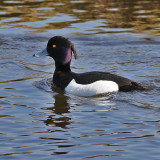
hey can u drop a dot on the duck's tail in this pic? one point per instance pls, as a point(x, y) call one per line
point(137, 86)
point(132, 87)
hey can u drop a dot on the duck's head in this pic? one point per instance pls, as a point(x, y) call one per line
point(60, 49)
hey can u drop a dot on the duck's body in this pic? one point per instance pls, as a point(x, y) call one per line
point(61, 49)
point(62, 79)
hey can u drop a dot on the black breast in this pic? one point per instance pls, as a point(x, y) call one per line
point(62, 79)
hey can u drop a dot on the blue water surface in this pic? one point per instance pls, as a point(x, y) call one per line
point(38, 122)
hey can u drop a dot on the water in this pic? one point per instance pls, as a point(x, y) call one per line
point(121, 37)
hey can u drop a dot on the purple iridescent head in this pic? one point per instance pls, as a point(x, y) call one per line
point(60, 49)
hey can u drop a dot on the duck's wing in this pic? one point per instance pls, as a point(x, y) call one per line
point(123, 83)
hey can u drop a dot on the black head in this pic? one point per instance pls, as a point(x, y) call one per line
point(60, 49)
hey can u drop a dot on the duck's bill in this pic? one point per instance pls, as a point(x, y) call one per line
point(42, 53)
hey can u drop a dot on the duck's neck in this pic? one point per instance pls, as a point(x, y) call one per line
point(62, 67)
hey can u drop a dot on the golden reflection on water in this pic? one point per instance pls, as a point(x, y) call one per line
point(138, 15)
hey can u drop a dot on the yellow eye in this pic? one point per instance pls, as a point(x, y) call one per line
point(54, 46)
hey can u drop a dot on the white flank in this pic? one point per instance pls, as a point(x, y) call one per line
point(98, 87)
